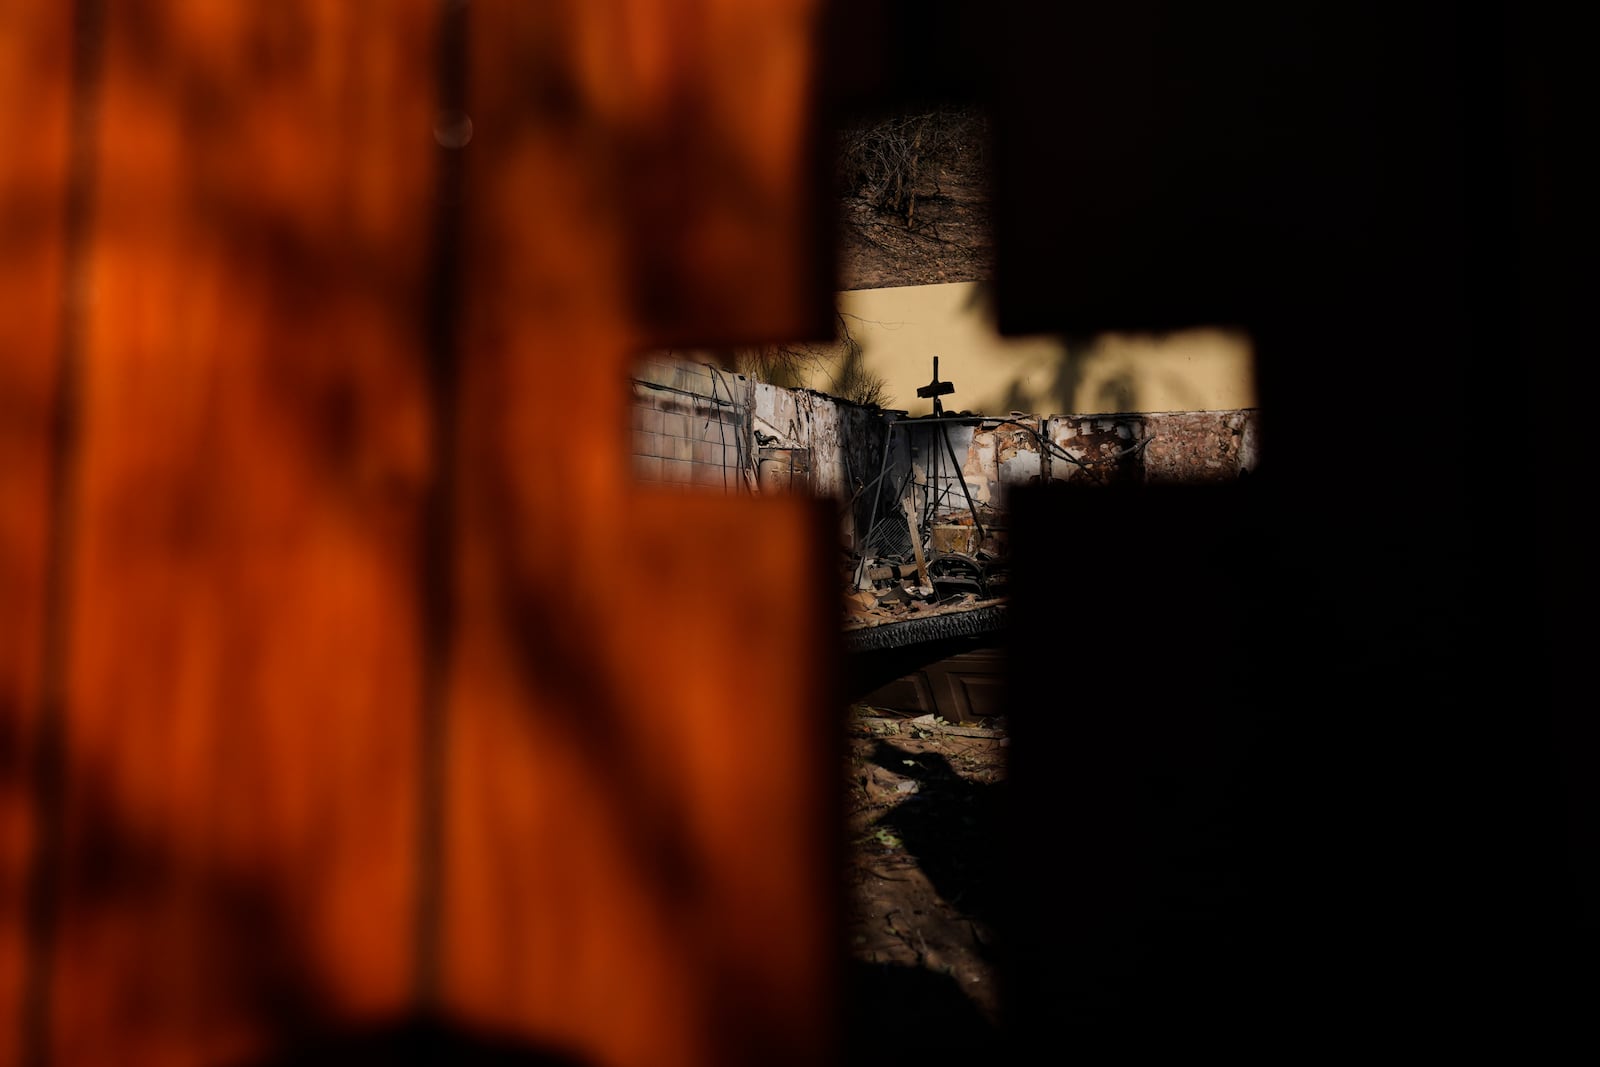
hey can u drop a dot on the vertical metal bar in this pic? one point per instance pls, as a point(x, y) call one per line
point(877, 494)
point(1044, 450)
point(944, 431)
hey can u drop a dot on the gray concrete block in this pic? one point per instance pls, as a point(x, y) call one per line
point(657, 370)
point(718, 429)
point(646, 418)
point(674, 425)
point(715, 477)
point(694, 378)
point(710, 452)
point(678, 448)
point(677, 471)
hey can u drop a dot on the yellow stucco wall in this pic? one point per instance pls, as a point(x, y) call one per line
point(901, 329)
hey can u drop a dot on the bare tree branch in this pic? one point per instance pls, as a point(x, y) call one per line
point(799, 365)
point(891, 162)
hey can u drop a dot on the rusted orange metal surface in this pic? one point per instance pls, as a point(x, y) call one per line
point(34, 53)
point(370, 689)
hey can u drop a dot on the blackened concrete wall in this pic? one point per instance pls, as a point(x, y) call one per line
point(697, 425)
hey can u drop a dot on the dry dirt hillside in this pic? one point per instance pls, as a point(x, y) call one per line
point(913, 200)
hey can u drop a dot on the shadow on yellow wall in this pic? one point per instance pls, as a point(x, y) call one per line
point(901, 329)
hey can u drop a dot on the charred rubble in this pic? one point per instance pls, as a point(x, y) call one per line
point(923, 518)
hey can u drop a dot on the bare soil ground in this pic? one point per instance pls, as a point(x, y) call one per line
point(923, 806)
point(948, 238)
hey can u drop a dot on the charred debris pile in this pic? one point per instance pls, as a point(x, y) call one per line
point(934, 544)
point(923, 529)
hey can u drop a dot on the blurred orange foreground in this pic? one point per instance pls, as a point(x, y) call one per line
point(345, 679)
